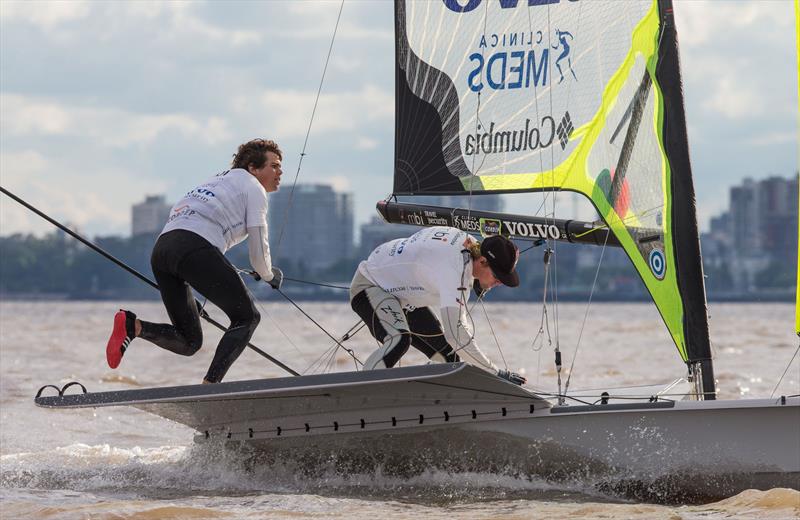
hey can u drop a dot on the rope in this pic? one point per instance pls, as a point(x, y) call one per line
point(252, 273)
point(338, 342)
point(315, 322)
point(346, 288)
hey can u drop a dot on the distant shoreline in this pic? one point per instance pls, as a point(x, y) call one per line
point(328, 297)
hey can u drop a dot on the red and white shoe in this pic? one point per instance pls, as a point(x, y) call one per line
point(121, 336)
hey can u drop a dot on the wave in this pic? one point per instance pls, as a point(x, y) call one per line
point(179, 471)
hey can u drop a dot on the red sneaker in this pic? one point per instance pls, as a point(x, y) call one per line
point(121, 337)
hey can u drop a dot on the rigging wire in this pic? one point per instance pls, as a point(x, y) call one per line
point(263, 309)
point(553, 243)
point(320, 284)
point(331, 351)
point(784, 372)
point(308, 132)
point(497, 342)
point(586, 314)
point(296, 306)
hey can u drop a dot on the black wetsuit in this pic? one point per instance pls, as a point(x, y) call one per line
point(183, 260)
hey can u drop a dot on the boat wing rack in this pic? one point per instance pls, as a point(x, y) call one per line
point(200, 406)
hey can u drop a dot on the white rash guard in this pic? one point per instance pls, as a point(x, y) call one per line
point(258, 247)
point(225, 210)
point(431, 269)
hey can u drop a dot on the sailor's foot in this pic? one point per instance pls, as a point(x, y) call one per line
point(121, 336)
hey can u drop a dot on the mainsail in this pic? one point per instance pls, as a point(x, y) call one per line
point(503, 96)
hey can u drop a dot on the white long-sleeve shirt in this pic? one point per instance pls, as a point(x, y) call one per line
point(225, 210)
point(431, 269)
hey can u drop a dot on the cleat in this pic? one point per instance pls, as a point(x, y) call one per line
point(121, 336)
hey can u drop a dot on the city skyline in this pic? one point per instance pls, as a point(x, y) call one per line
point(744, 254)
point(147, 113)
point(286, 207)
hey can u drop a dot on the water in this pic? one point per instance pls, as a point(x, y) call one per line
point(123, 463)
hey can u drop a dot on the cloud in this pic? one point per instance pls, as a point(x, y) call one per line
point(733, 99)
point(338, 182)
point(772, 139)
point(287, 112)
point(179, 21)
point(366, 143)
point(145, 88)
point(97, 193)
point(736, 58)
point(318, 22)
point(702, 23)
point(185, 26)
point(30, 117)
point(45, 15)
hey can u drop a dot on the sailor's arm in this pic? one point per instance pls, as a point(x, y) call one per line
point(459, 335)
point(258, 247)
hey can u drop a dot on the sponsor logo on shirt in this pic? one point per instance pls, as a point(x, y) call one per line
point(182, 211)
point(202, 194)
point(440, 235)
point(409, 288)
point(398, 248)
point(227, 230)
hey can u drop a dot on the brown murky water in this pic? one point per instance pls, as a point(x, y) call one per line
point(120, 463)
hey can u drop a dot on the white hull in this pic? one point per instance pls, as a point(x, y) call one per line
point(457, 417)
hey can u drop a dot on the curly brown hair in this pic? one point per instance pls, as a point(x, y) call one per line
point(254, 153)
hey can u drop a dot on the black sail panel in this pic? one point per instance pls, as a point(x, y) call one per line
point(688, 265)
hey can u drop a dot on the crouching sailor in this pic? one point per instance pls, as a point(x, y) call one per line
point(394, 289)
point(188, 254)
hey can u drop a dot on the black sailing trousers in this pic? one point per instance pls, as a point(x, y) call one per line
point(183, 260)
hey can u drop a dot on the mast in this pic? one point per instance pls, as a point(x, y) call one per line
point(691, 283)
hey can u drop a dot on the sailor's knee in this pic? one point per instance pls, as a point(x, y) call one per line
point(248, 319)
point(399, 341)
point(255, 319)
point(193, 344)
point(395, 347)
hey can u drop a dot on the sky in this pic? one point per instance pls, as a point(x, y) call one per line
point(104, 103)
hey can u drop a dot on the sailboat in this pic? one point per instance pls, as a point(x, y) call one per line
point(509, 96)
